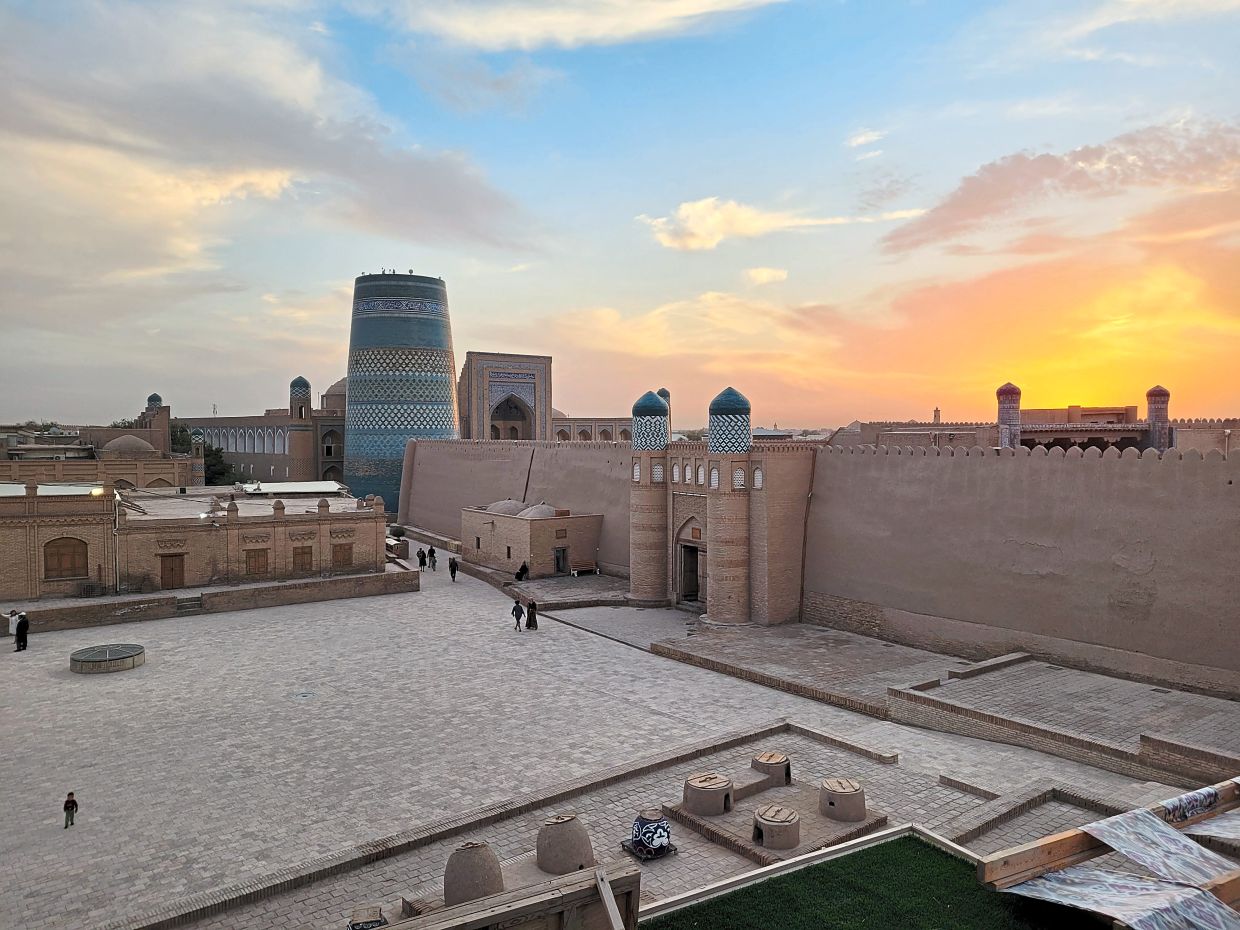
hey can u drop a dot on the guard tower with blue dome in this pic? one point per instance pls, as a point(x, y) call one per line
point(648, 503)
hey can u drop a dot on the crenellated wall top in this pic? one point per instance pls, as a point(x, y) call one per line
point(1038, 452)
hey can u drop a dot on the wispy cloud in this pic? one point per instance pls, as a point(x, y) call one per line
point(866, 156)
point(703, 224)
point(1182, 155)
point(760, 276)
point(465, 81)
point(495, 25)
point(864, 137)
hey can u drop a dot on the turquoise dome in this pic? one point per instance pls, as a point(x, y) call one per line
point(650, 404)
point(299, 387)
point(729, 402)
point(154, 401)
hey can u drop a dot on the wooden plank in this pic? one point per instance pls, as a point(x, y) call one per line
point(1012, 866)
point(609, 898)
point(1226, 887)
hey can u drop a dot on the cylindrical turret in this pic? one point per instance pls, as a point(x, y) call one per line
point(1157, 400)
point(667, 399)
point(648, 540)
point(1009, 416)
point(300, 438)
point(727, 509)
point(402, 378)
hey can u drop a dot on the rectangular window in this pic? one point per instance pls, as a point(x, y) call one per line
point(342, 555)
point(561, 534)
point(303, 559)
point(256, 561)
point(509, 548)
point(477, 542)
point(65, 558)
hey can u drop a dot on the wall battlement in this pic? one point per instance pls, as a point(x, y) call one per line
point(1038, 452)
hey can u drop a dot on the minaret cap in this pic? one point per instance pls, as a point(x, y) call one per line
point(1156, 392)
point(729, 402)
point(1008, 390)
point(650, 404)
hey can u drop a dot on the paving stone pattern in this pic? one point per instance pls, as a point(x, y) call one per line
point(636, 626)
point(1109, 710)
point(256, 740)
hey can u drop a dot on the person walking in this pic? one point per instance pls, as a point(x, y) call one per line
point(70, 810)
point(421, 560)
point(452, 566)
point(19, 636)
point(531, 616)
point(517, 612)
point(430, 555)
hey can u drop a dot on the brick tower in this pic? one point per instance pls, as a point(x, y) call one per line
point(1157, 400)
point(727, 509)
point(300, 432)
point(648, 579)
point(1009, 416)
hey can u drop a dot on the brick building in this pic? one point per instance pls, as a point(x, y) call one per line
point(550, 540)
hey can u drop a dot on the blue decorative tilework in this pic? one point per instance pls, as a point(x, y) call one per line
point(729, 433)
point(649, 433)
point(400, 304)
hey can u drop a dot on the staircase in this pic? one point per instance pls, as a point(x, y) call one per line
point(189, 605)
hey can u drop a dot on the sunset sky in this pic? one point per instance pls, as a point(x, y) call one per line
point(844, 209)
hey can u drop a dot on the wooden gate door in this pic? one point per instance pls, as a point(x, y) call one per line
point(171, 571)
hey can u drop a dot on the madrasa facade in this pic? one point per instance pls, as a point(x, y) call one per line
point(402, 383)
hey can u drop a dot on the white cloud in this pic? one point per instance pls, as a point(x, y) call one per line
point(702, 224)
point(866, 156)
point(864, 137)
point(496, 25)
point(1119, 12)
point(759, 276)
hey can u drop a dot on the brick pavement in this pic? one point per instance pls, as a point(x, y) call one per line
point(636, 626)
point(256, 740)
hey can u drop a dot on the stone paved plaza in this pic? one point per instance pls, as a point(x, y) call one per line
point(257, 740)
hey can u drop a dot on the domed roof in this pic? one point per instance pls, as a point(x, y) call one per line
point(154, 400)
point(664, 393)
point(128, 443)
point(299, 387)
point(508, 506)
point(1008, 390)
point(340, 387)
point(729, 402)
point(558, 413)
point(650, 404)
point(538, 510)
point(1157, 391)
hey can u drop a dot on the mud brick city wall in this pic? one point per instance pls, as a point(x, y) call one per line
point(1131, 556)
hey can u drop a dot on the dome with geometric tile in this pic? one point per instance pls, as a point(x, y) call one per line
point(1008, 390)
point(154, 401)
point(650, 404)
point(1157, 391)
point(538, 510)
point(729, 402)
point(299, 387)
point(507, 506)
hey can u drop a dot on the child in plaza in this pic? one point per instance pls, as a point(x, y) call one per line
point(452, 566)
point(70, 810)
point(517, 612)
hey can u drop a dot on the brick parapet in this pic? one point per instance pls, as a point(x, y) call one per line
point(1076, 453)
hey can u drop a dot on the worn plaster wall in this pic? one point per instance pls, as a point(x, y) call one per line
point(1131, 558)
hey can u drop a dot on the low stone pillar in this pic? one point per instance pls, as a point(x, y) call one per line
point(473, 872)
point(564, 845)
point(775, 766)
point(708, 794)
point(842, 799)
point(776, 827)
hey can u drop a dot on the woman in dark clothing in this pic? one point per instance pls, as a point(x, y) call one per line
point(523, 572)
point(23, 627)
point(421, 560)
point(531, 616)
point(452, 566)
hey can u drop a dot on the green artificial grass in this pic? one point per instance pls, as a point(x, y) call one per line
point(904, 884)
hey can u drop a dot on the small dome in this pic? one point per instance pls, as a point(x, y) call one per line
point(1008, 390)
point(650, 404)
point(340, 387)
point(128, 443)
point(559, 414)
point(508, 506)
point(1157, 391)
point(154, 400)
point(729, 402)
point(665, 394)
point(299, 387)
point(538, 510)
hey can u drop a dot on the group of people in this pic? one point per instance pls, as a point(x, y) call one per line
point(19, 629)
point(529, 613)
point(429, 557)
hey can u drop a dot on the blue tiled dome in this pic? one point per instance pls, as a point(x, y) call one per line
point(154, 401)
point(650, 404)
point(299, 387)
point(729, 402)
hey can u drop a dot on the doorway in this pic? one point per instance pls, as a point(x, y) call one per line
point(171, 571)
point(512, 418)
point(561, 561)
point(689, 586)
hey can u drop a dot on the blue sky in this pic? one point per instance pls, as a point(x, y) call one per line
point(824, 204)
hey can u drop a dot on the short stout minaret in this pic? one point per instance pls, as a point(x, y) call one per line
point(301, 461)
point(1009, 416)
point(648, 578)
point(1157, 399)
point(727, 509)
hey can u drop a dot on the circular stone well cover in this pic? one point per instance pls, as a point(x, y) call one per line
point(114, 657)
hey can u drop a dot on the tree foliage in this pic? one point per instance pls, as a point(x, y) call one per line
point(215, 469)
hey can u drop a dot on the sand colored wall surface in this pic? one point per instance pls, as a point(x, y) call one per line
point(1127, 553)
point(441, 477)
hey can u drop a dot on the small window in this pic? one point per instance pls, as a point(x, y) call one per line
point(508, 549)
point(738, 479)
point(676, 473)
point(65, 558)
point(656, 473)
point(561, 534)
point(688, 473)
point(303, 559)
point(328, 451)
point(701, 474)
point(342, 555)
point(714, 478)
point(757, 478)
point(256, 561)
point(637, 470)
point(477, 542)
